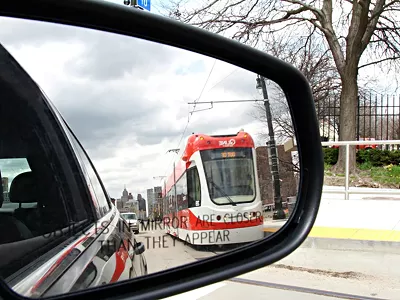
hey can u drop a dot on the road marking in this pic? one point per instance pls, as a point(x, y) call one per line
point(301, 289)
point(198, 293)
point(350, 233)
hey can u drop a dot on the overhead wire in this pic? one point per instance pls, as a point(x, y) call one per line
point(234, 70)
point(201, 93)
point(195, 103)
point(191, 113)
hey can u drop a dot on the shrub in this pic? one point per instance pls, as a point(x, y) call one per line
point(331, 155)
point(371, 157)
point(378, 158)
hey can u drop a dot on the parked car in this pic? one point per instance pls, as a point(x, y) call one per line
point(132, 221)
point(59, 229)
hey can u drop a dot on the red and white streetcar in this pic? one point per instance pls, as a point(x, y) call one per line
point(212, 196)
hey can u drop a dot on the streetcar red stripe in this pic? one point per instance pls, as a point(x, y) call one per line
point(186, 219)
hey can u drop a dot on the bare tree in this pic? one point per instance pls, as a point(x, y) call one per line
point(349, 28)
point(314, 62)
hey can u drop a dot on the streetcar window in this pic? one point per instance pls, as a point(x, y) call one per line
point(181, 192)
point(171, 201)
point(193, 187)
point(230, 175)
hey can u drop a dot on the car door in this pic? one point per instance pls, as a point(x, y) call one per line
point(114, 252)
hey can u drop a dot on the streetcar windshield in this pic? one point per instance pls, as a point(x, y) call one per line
point(230, 175)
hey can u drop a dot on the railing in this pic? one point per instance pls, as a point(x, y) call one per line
point(355, 143)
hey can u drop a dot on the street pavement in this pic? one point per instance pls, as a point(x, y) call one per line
point(308, 273)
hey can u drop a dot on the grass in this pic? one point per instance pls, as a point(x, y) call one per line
point(387, 175)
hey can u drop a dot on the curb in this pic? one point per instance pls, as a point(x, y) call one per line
point(349, 244)
point(352, 245)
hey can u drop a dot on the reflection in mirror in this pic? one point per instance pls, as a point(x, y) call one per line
point(194, 157)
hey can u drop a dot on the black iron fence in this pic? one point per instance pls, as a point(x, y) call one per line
point(378, 117)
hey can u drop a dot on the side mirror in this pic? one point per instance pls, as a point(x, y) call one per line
point(139, 249)
point(260, 251)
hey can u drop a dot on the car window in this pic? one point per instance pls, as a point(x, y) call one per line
point(11, 168)
point(129, 216)
point(27, 185)
point(102, 204)
point(36, 199)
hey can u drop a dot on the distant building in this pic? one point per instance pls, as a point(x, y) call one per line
point(127, 202)
point(150, 196)
point(157, 191)
point(287, 179)
point(141, 206)
point(119, 204)
point(4, 183)
point(157, 207)
point(125, 197)
point(130, 206)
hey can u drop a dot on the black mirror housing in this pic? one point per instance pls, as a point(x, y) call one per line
point(124, 20)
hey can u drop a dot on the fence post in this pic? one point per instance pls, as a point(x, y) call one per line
point(346, 189)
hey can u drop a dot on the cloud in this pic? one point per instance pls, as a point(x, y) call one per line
point(20, 32)
point(127, 99)
point(112, 56)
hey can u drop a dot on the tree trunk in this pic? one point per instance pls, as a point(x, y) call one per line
point(347, 119)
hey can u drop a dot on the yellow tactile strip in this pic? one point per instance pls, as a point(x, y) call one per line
point(350, 233)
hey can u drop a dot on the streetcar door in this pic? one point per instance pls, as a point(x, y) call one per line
point(173, 225)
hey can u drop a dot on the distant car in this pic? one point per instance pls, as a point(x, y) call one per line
point(60, 231)
point(132, 221)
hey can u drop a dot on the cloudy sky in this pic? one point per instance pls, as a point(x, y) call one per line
point(126, 99)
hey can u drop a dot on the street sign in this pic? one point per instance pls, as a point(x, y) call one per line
point(145, 4)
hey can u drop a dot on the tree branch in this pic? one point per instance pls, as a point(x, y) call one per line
point(379, 61)
point(372, 22)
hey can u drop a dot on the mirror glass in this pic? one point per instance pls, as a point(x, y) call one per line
point(169, 157)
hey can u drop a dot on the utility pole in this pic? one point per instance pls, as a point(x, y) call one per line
point(279, 214)
point(176, 151)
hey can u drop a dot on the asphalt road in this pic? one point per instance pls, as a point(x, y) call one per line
point(305, 274)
